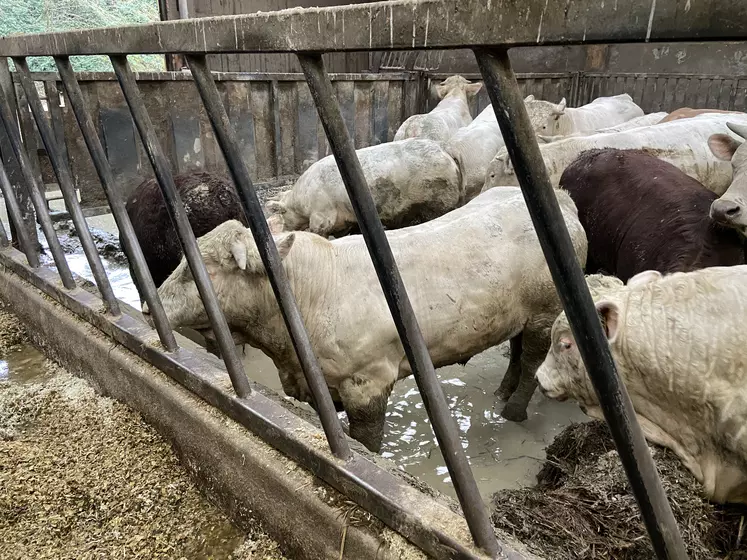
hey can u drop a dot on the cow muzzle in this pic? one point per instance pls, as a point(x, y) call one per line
point(727, 212)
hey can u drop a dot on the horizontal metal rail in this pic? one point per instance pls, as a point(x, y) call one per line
point(143, 278)
point(178, 215)
point(407, 24)
point(229, 145)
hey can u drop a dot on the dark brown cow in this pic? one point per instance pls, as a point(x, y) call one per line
point(642, 213)
point(209, 200)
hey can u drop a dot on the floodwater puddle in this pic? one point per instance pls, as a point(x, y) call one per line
point(22, 364)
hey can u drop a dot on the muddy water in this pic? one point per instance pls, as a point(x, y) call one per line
point(503, 454)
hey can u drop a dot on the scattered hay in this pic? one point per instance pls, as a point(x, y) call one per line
point(84, 477)
point(582, 508)
point(12, 332)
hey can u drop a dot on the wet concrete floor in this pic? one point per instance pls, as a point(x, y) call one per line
point(503, 454)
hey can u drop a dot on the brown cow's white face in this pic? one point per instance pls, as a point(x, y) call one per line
point(731, 208)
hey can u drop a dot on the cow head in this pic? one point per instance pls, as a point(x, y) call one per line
point(563, 373)
point(282, 215)
point(544, 116)
point(457, 85)
point(731, 209)
point(236, 271)
point(500, 172)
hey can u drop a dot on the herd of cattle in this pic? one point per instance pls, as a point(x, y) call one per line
point(655, 207)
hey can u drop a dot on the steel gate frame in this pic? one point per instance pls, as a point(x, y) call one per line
point(490, 28)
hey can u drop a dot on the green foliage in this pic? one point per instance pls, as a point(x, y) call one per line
point(42, 16)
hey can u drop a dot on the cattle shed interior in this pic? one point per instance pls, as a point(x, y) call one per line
point(258, 93)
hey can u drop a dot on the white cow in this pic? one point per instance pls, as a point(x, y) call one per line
point(411, 181)
point(476, 277)
point(683, 143)
point(600, 113)
point(680, 346)
point(473, 148)
point(451, 113)
point(638, 122)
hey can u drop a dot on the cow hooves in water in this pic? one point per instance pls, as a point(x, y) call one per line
point(514, 412)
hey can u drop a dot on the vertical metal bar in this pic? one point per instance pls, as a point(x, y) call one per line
point(229, 144)
point(526, 157)
point(15, 216)
point(178, 215)
point(4, 242)
point(131, 246)
point(399, 303)
point(34, 192)
point(12, 167)
point(65, 180)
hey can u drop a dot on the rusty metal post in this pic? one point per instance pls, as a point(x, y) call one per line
point(130, 244)
point(15, 216)
point(34, 192)
point(65, 180)
point(409, 331)
point(12, 167)
point(614, 400)
point(179, 217)
point(229, 145)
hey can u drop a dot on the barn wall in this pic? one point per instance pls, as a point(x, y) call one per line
point(278, 127)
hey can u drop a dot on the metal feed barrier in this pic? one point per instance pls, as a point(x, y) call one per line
point(391, 26)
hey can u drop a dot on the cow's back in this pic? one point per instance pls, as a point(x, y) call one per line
point(641, 213)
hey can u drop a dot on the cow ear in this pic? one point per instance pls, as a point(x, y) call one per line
point(238, 251)
point(472, 89)
point(723, 146)
point(441, 91)
point(284, 244)
point(276, 224)
point(560, 107)
point(529, 98)
point(609, 313)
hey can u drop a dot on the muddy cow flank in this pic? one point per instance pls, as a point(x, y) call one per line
point(642, 213)
point(680, 346)
point(462, 313)
point(451, 113)
point(411, 181)
point(209, 200)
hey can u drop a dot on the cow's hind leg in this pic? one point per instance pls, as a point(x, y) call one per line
point(535, 343)
point(513, 373)
point(365, 400)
